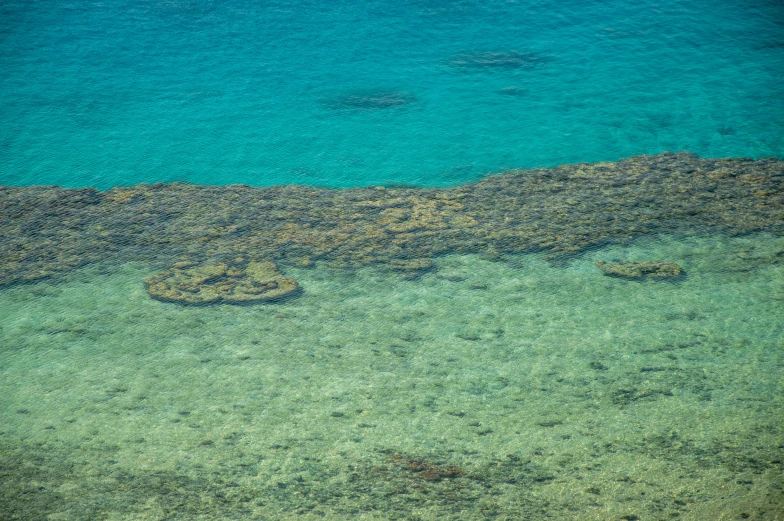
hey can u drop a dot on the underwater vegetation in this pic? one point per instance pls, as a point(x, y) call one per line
point(562, 212)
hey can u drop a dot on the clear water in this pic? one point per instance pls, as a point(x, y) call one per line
point(559, 392)
point(114, 93)
point(484, 389)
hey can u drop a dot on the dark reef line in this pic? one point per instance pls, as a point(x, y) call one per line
point(562, 211)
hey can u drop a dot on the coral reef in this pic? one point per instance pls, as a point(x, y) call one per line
point(640, 269)
point(562, 212)
point(235, 283)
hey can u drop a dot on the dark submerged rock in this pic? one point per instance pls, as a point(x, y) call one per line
point(494, 60)
point(372, 100)
point(641, 269)
point(512, 91)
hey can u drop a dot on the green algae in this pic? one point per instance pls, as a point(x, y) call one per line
point(482, 389)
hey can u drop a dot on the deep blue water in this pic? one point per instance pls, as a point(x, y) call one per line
point(345, 93)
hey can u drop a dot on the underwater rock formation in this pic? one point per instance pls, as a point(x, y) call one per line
point(228, 283)
point(372, 100)
point(513, 91)
point(494, 60)
point(640, 269)
point(561, 212)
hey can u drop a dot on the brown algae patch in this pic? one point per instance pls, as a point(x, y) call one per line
point(563, 211)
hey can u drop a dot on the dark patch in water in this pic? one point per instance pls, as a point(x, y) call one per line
point(512, 91)
point(372, 100)
point(494, 60)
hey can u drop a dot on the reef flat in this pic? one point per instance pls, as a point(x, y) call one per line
point(562, 211)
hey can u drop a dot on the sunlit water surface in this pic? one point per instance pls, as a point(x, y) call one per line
point(508, 388)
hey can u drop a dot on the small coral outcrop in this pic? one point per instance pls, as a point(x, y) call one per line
point(640, 269)
point(236, 282)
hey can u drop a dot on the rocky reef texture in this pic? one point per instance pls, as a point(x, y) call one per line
point(563, 211)
point(237, 282)
point(640, 269)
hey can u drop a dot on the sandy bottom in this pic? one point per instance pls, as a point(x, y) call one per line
point(505, 390)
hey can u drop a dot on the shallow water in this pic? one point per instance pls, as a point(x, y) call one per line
point(449, 354)
point(513, 389)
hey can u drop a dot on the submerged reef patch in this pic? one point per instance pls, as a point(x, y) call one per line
point(641, 269)
point(237, 282)
point(562, 212)
point(513, 90)
point(494, 60)
point(374, 99)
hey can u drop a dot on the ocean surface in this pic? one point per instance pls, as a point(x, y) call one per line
point(453, 349)
point(350, 93)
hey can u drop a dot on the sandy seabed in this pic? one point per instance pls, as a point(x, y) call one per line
point(512, 389)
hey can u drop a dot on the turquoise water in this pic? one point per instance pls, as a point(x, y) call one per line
point(448, 355)
point(114, 93)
